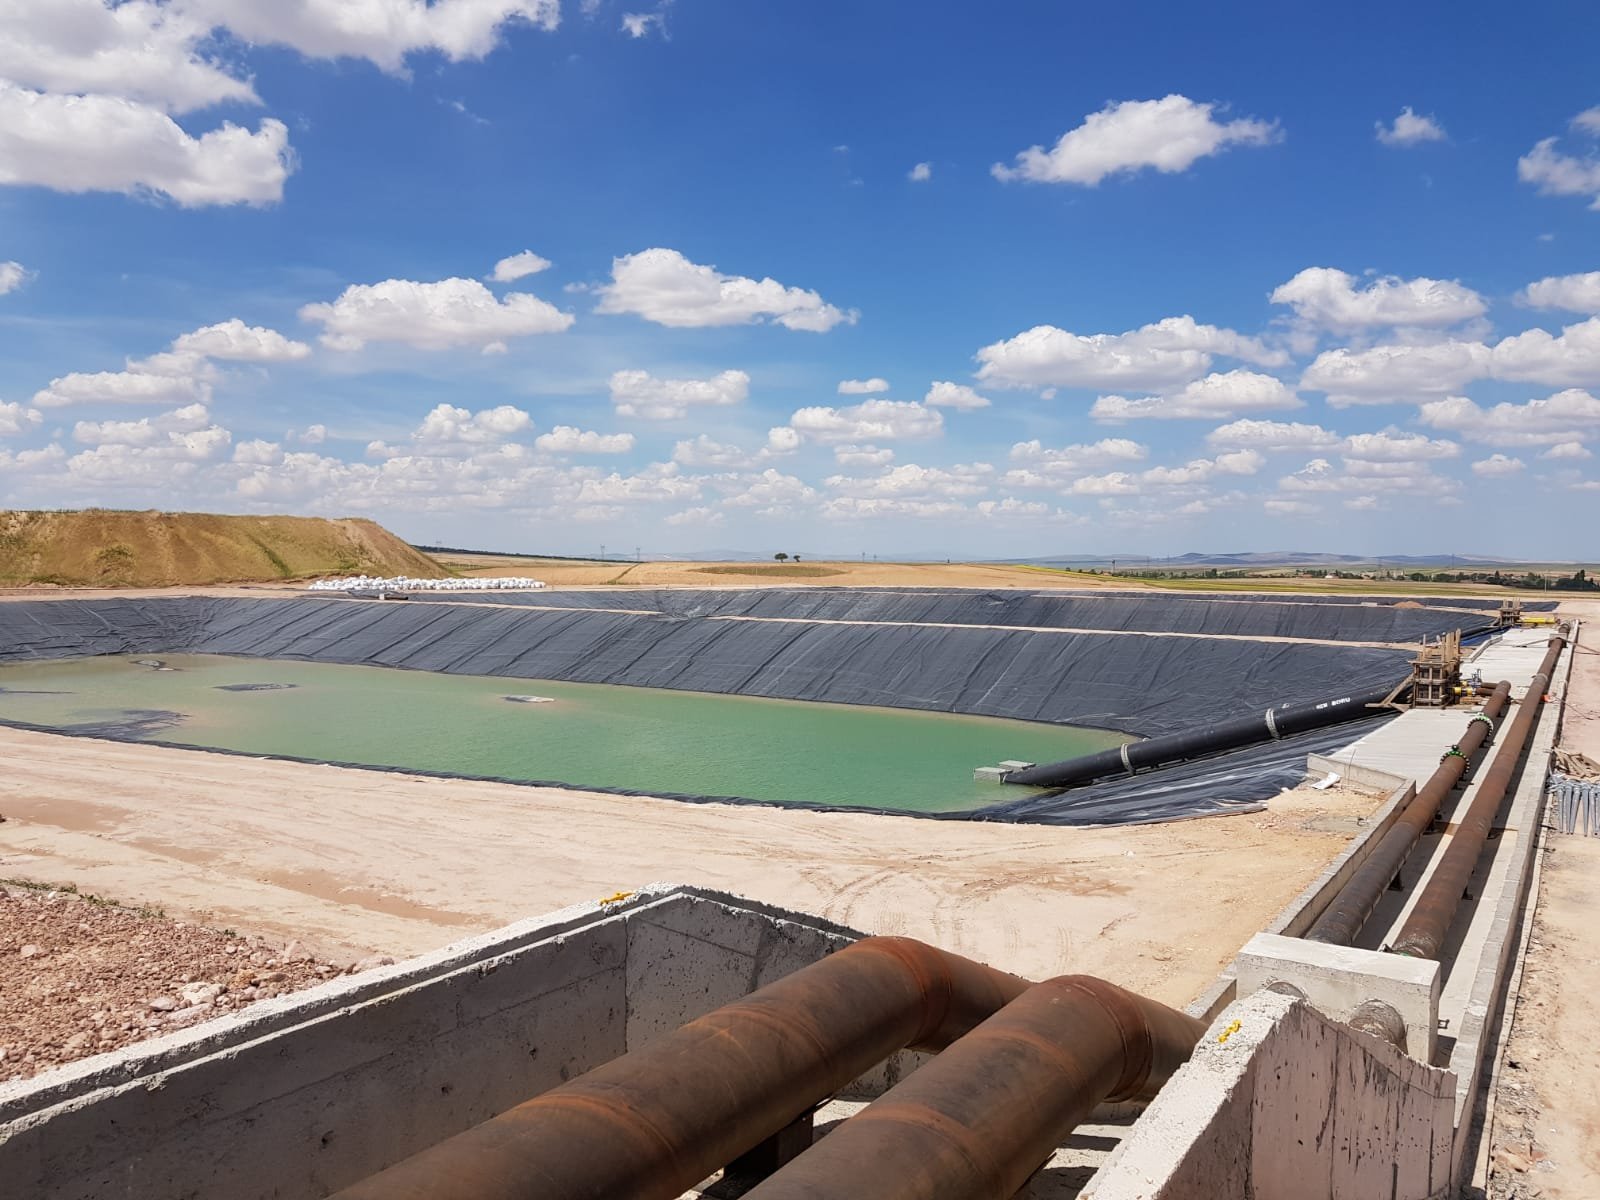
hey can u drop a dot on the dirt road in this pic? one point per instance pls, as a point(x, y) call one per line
point(1547, 1107)
point(353, 862)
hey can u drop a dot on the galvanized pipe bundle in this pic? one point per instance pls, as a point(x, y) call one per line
point(1342, 921)
point(1423, 934)
point(1577, 805)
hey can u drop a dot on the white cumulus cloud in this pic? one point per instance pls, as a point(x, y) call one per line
point(449, 431)
point(147, 431)
point(139, 50)
point(944, 394)
point(384, 32)
point(1105, 452)
point(1410, 129)
point(638, 25)
point(1497, 465)
point(1167, 135)
point(1213, 398)
point(641, 394)
point(1556, 173)
point(12, 276)
point(518, 266)
point(16, 418)
point(1575, 293)
point(1567, 416)
point(1167, 353)
point(1568, 450)
point(432, 316)
point(99, 143)
point(663, 286)
point(862, 387)
point(705, 451)
point(862, 456)
point(1393, 446)
point(911, 480)
point(699, 515)
point(1202, 470)
point(1272, 436)
point(1329, 299)
point(123, 387)
point(234, 341)
point(568, 439)
point(870, 421)
point(1389, 374)
point(1571, 358)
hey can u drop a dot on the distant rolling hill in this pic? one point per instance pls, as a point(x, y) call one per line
point(99, 547)
point(1273, 558)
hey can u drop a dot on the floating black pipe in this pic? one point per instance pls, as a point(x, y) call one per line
point(1132, 757)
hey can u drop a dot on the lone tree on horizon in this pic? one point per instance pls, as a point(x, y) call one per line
point(781, 556)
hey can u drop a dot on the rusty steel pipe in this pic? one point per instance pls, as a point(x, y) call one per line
point(1344, 918)
point(657, 1121)
point(1380, 1020)
point(1423, 934)
point(987, 1113)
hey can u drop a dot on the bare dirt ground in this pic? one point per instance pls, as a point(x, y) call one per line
point(353, 862)
point(1547, 1110)
point(561, 573)
point(80, 975)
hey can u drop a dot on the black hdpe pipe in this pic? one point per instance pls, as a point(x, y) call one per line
point(1132, 757)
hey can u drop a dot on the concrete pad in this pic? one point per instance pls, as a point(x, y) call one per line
point(1405, 749)
point(1339, 979)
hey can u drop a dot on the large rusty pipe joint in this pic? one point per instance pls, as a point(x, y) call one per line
point(656, 1121)
point(982, 1117)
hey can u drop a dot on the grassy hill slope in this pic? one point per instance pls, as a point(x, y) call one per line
point(99, 547)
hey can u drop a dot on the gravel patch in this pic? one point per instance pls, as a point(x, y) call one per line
point(80, 975)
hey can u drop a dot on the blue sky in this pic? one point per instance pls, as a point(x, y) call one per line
point(706, 274)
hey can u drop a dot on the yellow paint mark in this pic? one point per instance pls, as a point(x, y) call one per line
point(1222, 1038)
point(612, 899)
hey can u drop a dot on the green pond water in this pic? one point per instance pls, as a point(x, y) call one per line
point(643, 739)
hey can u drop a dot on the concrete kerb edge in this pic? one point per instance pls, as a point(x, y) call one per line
point(1513, 995)
point(1297, 916)
point(266, 1018)
point(133, 1064)
point(1490, 990)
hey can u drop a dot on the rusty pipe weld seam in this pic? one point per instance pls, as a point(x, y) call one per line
point(655, 1122)
point(1347, 914)
point(1423, 934)
point(988, 1112)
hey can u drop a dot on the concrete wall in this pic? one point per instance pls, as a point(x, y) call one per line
point(300, 1096)
point(1280, 1103)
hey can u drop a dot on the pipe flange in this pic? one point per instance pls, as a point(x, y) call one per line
point(1486, 719)
point(1453, 752)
